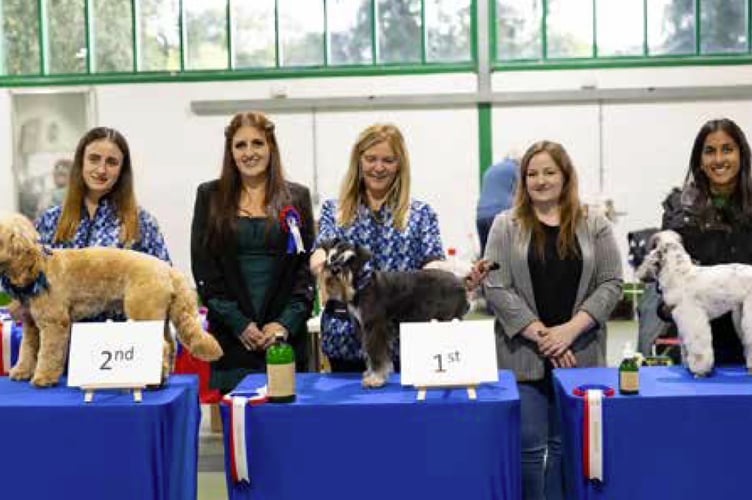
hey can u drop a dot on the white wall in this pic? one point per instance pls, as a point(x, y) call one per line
point(645, 146)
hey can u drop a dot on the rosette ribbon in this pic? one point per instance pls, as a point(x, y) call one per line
point(592, 429)
point(289, 218)
point(238, 403)
point(10, 344)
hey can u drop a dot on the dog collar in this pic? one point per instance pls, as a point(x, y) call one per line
point(24, 293)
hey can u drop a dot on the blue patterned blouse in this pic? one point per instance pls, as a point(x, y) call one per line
point(103, 230)
point(392, 250)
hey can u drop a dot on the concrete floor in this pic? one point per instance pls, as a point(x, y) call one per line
point(211, 477)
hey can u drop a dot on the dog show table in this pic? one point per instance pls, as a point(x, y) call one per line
point(679, 438)
point(340, 441)
point(56, 446)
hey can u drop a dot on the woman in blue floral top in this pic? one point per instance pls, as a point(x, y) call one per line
point(374, 210)
point(100, 206)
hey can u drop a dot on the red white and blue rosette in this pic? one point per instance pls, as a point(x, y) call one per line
point(592, 428)
point(238, 433)
point(289, 219)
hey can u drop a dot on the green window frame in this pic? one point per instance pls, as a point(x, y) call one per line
point(229, 72)
point(599, 60)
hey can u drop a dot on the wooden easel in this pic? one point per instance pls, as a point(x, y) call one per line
point(138, 395)
point(470, 388)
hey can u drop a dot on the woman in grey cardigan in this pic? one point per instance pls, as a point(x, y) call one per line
point(559, 278)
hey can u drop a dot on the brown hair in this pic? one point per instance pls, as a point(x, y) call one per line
point(570, 210)
point(225, 200)
point(352, 192)
point(122, 194)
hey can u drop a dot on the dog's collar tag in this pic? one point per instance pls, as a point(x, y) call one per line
point(24, 293)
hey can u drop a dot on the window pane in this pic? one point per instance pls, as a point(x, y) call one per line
point(620, 27)
point(723, 26)
point(399, 31)
point(448, 30)
point(67, 36)
point(159, 37)
point(518, 29)
point(113, 36)
point(301, 26)
point(205, 34)
point(253, 35)
point(671, 27)
point(349, 24)
point(20, 25)
point(570, 28)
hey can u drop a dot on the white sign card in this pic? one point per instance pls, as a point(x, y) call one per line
point(449, 353)
point(116, 354)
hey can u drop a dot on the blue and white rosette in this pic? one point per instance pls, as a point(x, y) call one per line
point(291, 223)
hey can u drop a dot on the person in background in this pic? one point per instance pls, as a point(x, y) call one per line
point(713, 214)
point(558, 280)
point(375, 210)
point(100, 207)
point(496, 194)
point(251, 270)
point(56, 195)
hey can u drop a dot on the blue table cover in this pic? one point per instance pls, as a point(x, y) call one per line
point(680, 438)
point(340, 441)
point(56, 446)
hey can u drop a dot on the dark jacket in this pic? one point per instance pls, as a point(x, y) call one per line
point(218, 276)
point(711, 235)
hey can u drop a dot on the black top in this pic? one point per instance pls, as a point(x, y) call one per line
point(555, 280)
point(228, 281)
point(713, 232)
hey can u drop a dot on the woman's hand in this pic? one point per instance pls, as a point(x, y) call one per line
point(317, 260)
point(566, 360)
point(555, 341)
point(270, 331)
point(252, 338)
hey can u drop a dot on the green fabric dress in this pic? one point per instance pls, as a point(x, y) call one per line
point(257, 265)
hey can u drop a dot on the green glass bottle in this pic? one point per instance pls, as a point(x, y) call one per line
point(280, 371)
point(629, 372)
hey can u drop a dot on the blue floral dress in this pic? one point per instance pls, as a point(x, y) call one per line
point(391, 249)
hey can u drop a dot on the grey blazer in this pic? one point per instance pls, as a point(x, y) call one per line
point(509, 293)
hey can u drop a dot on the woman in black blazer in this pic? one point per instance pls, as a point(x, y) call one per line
point(251, 237)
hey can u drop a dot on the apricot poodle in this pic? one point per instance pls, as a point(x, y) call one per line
point(58, 287)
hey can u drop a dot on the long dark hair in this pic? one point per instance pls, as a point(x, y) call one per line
point(122, 194)
point(224, 202)
point(696, 176)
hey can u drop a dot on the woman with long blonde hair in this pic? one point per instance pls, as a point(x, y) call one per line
point(374, 210)
point(558, 280)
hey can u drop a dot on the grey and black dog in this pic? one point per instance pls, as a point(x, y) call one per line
point(380, 300)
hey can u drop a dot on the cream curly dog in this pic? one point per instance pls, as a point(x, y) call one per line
point(59, 287)
point(698, 294)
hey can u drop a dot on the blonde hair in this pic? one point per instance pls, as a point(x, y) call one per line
point(352, 192)
point(570, 210)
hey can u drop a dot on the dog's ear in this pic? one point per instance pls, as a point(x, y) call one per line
point(327, 245)
point(362, 256)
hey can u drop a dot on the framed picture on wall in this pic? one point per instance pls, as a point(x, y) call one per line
point(46, 128)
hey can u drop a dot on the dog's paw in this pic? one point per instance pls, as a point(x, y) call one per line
point(45, 380)
point(373, 380)
point(20, 373)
